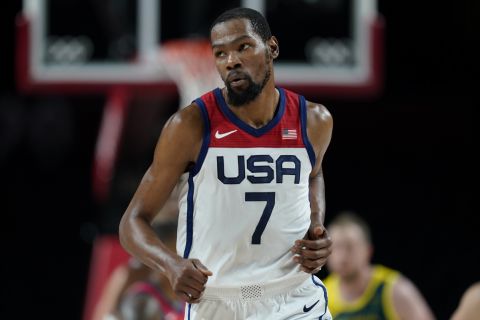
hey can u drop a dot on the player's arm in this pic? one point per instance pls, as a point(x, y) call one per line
point(409, 302)
point(315, 249)
point(177, 148)
point(110, 293)
point(319, 130)
point(469, 307)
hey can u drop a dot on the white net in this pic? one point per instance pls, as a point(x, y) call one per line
point(190, 64)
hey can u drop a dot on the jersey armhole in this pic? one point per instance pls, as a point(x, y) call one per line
point(303, 122)
point(387, 297)
point(192, 173)
point(206, 137)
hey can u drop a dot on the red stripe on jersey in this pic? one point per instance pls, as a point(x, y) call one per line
point(226, 130)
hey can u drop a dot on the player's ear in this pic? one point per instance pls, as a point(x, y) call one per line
point(273, 47)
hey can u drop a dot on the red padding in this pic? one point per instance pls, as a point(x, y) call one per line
point(107, 254)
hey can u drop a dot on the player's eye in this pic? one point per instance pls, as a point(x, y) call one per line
point(244, 46)
point(219, 54)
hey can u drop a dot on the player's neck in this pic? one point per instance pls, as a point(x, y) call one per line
point(260, 111)
point(353, 287)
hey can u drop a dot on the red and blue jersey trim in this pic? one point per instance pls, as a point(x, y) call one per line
point(303, 121)
point(229, 115)
point(287, 129)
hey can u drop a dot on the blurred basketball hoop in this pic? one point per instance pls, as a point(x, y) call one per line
point(190, 64)
point(328, 48)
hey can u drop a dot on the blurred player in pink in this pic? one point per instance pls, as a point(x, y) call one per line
point(137, 292)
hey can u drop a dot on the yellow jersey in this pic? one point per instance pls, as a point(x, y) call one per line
point(376, 303)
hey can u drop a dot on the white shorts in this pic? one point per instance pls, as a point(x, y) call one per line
point(295, 298)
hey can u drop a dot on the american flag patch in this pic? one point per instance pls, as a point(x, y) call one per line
point(288, 134)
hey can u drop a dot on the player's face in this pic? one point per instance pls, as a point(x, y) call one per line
point(243, 60)
point(350, 251)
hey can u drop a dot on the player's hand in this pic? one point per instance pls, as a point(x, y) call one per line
point(312, 251)
point(188, 278)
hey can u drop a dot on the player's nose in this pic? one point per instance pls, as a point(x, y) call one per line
point(233, 61)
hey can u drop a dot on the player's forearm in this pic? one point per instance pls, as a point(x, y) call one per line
point(140, 240)
point(317, 199)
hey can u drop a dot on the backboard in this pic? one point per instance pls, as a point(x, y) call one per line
point(327, 47)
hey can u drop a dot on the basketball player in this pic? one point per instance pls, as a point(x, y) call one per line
point(152, 297)
point(469, 307)
point(359, 290)
point(136, 292)
point(252, 205)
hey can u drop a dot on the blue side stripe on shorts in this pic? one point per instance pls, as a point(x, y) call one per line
point(189, 306)
point(325, 296)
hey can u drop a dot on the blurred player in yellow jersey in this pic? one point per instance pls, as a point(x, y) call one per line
point(359, 290)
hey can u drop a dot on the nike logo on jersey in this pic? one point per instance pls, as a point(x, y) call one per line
point(219, 135)
point(306, 309)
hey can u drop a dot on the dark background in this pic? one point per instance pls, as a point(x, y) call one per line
point(403, 160)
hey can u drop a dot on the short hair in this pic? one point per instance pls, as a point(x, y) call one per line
point(257, 20)
point(349, 218)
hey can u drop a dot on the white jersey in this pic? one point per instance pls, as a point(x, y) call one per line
point(246, 200)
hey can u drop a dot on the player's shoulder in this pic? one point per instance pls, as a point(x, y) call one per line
point(318, 113)
point(472, 294)
point(319, 125)
point(182, 132)
point(403, 288)
point(185, 124)
point(408, 301)
point(384, 273)
point(469, 306)
point(474, 288)
point(189, 116)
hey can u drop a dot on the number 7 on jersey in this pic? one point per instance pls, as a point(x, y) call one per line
point(269, 198)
